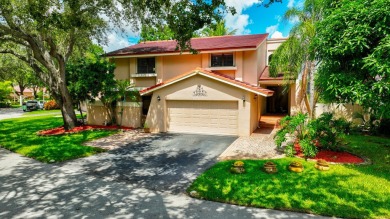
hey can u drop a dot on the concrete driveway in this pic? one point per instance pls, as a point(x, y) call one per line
point(160, 162)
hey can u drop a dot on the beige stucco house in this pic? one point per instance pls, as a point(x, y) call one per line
point(223, 89)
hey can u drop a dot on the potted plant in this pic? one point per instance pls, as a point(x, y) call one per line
point(270, 167)
point(238, 167)
point(296, 167)
point(322, 165)
point(146, 128)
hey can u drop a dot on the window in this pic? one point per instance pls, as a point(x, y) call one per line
point(146, 65)
point(224, 59)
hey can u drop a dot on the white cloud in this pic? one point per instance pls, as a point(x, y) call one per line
point(116, 41)
point(271, 29)
point(277, 34)
point(239, 21)
point(290, 3)
point(293, 20)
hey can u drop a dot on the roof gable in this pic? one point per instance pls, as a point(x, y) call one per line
point(212, 75)
point(199, 44)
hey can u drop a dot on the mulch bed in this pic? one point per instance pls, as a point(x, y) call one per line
point(338, 157)
point(333, 156)
point(61, 130)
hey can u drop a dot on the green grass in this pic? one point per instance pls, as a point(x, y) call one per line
point(351, 191)
point(42, 112)
point(19, 135)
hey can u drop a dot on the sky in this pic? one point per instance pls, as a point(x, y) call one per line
point(251, 18)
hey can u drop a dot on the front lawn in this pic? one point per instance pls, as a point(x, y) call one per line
point(42, 112)
point(344, 191)
point(19, 135)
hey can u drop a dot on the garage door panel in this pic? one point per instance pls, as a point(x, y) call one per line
point(210, 117)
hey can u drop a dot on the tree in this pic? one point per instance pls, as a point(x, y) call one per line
point(19, 73)
point(217, 29)
point(5, 90)
point(156, 32)
point(88, 75)
point(297, 55)
point(125, 92)
point(49, 31)
point(353, 42)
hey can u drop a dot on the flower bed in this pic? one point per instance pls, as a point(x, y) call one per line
point(61, 130)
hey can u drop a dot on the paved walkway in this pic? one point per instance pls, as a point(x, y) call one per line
point(30, 189)
point(9, 113)
point(260, 145)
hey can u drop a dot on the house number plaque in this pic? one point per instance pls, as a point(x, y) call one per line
point(199, 92)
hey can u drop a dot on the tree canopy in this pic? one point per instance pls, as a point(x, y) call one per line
point(353, 44)
point(218, 28)
point(296, 56)
point(44, 34)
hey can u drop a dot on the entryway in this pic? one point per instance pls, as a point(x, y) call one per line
point(278, 103)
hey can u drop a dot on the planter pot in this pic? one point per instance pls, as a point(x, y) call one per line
point(270, 167)
point(147, 130)
point(321, 167)
point(296, 167)
point(237, 170)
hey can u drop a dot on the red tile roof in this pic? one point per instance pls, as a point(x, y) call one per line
point(213, 75)
point(199, 44)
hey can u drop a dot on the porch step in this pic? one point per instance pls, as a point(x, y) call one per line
point(270, 121)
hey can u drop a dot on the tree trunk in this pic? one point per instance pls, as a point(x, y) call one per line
point(81, 112)
point(312, 100)
point(65, 102)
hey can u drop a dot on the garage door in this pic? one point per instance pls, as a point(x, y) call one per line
point(206, 117)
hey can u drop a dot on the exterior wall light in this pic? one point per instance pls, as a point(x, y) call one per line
point(255, 96)
point(243, 98)
point(158, 98)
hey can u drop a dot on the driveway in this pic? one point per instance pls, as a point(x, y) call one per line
point(9, 113)
point(160, 162)
point(145, 179)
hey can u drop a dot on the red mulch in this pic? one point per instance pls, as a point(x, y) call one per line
point(338, 157)
point(332, 156)
point(61, 130)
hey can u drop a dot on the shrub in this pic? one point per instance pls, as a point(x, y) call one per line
point(50, 105)
point(325, 132)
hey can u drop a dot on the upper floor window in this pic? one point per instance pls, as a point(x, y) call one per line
point(221, 59)
point(146, 65)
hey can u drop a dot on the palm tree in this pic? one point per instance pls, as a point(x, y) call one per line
point(217, 29)
point(296, 56)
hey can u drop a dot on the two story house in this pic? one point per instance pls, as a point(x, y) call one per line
point(223, 89)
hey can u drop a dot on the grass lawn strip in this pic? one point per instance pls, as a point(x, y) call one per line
point(19, 135)
point(352, 191)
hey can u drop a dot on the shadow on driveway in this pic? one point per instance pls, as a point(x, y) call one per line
point(161, 162)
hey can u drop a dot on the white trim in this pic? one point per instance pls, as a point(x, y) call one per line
point(206, 75)
point(178, 53)
point(221, 68)
point(143, 75)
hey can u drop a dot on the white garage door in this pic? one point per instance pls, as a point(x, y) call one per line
point(207, 117)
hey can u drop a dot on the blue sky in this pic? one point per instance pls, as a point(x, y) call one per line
point(251, 18)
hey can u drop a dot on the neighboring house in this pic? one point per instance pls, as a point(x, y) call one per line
point(223, 89)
